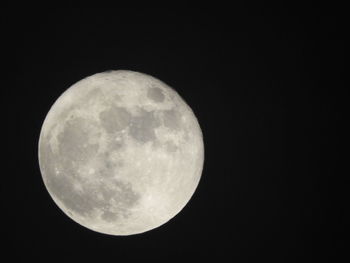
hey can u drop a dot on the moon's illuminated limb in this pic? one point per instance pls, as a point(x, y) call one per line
point(120, 152)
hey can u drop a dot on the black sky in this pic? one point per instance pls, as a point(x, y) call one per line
point(267, 86)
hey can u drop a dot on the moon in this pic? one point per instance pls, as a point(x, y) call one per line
point(120, 152)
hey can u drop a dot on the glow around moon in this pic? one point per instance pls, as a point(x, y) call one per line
point(120, 152)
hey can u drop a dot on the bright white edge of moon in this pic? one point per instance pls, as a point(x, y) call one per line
point(120, 152)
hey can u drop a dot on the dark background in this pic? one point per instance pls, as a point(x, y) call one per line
point(267, 86)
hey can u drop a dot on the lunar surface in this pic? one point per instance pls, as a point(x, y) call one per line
point(120, 152)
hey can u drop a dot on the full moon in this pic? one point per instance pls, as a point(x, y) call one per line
point(120, 152)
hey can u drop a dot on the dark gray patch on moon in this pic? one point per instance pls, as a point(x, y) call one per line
point(79, 202)
point(172, 119)
point(115, 142)
point(116, 145)
point(142, 126)
point(109, 216)
point(114, 119)
point(124, 198)
point(106, 171)
point(171, 147)
point(109, 168)
point(74, 141)
point(61, 186)
point(86, 200)
point(155, 94)
point(93, 95)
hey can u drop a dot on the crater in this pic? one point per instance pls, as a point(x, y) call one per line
point(155, 94)
point(171, 147)
point(142, 127)
point(114, 119)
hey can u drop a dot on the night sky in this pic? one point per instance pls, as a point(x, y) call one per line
point(267, 87)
